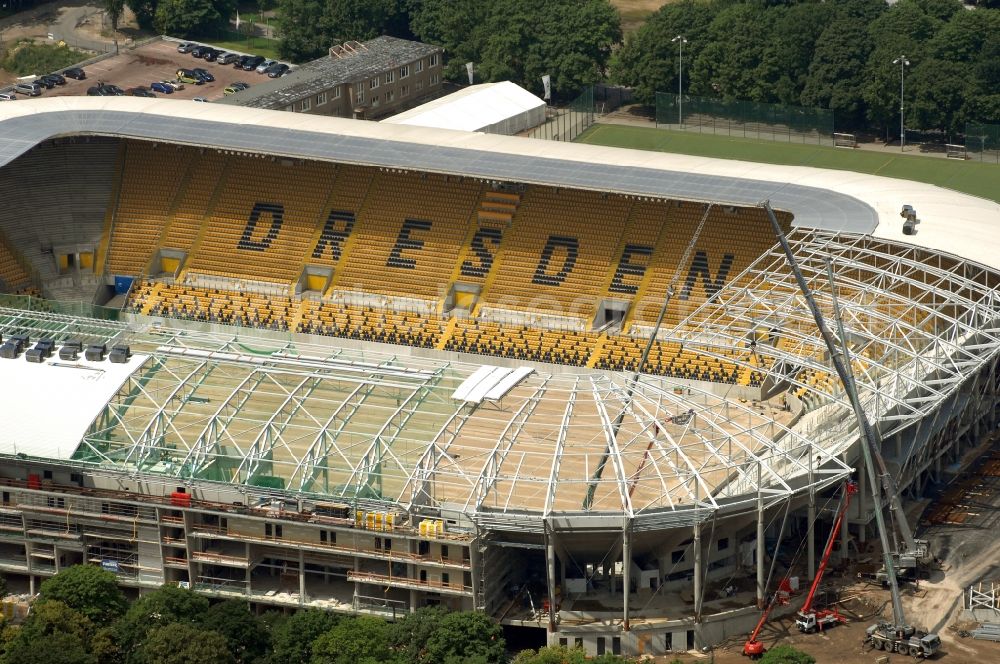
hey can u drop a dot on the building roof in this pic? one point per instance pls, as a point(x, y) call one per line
point(357, 64)
point(471, 109)
point(818, 198)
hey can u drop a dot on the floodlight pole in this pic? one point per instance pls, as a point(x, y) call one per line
point(902, 62)
point(680, 79)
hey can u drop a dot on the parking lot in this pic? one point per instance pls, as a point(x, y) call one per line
point(155, 61)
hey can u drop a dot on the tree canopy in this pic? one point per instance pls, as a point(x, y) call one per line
point(832, 55)
point(786, 655)
point(191, 18)
point(89, 590)
point(179, 643)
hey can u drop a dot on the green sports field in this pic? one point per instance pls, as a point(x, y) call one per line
point(971, 177)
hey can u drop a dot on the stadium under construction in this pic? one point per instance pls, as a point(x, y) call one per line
point(369, 368)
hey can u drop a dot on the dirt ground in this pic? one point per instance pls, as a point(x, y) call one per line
point(967, 554)
point(154, 62)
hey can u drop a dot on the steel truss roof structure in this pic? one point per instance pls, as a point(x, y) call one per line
point(266, 413)
point(918, 322)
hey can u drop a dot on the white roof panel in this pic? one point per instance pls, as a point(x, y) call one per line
point(472, 108)
point(48, 407)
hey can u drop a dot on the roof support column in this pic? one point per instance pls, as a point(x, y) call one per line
point(760, 543)
point(862, 505)
point(550, 573)
point(627, 571)
point(845, 530)
point(699, 574)
point(811, 526)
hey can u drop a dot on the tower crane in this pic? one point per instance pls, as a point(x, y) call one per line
point(898, 635)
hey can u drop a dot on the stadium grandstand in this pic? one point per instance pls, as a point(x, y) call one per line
point(371, 367)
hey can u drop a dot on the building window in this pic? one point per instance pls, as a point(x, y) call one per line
point(420, 66)
point(578, 642)
point(404, 71)
point(445, 579)
point(322, 536)
point(723, 544)
point(306, 104)
point(404, 91)
point(321, 99)
point(434, 79)
point(336, 93)
point(390, 95)
point(616, 645)
point(389, 75)
point(433, 60)
point(289, 108)
point(563, 642)
point(420, 85)
point(444, 552)
point(677, 557)
point(376, 100)
point(374, 83)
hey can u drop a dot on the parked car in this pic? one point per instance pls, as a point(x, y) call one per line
point(30, 89)
point(188, 76)
point(203, 75)
point(202, 99)
point(200, 51)
point(264, 66)
point(252, 63)
point(240, 85)
point(74, 72)
point(226, 58)
point(242, 60)
point(100, 91)
point(111, 90)
point(8, 96)
point(140, 91)
point(186, 47)
point(161, 86)
point(278, 70)
point(48, 85)
point(176, 85)
point(56, 79)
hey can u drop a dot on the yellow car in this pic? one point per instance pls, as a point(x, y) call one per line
point(188, 76)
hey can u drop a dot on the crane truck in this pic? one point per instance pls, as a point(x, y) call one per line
point(897, 635)
point(808, 618)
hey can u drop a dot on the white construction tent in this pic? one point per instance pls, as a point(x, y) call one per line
point(492, 108)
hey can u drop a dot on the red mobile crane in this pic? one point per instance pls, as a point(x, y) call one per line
point(806, 616)
point(808, 619)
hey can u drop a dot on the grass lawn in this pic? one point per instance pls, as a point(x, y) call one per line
point(971, 177)
point(256, 45)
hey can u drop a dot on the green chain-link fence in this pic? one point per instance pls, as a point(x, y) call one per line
point(568, 122)
point(774, 122)
point(982, 142)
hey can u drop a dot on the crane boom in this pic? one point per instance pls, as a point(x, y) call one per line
point(843, 370)
point(850, 488)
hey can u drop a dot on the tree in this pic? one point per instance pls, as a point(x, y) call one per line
point(570, 40)
point(3, 587)
point(458, 26)
point(53, 633)
point(145, 12)
point(246, 635)
point(836, 77)
point(87, 589)
point(168, 604)
point(463, 636)
point(786, 655)
point(648, 62)
point(293, 638)
point(179, 643)
point(190, 18)
point(730, 65)
point(552, 655)
point(114, 9)
point(939, 90)
point(309, 28)
point(353, 640)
